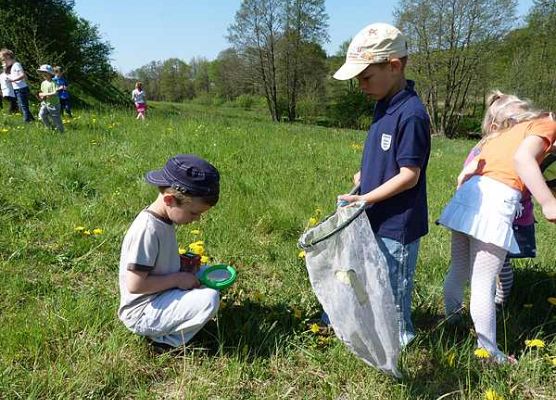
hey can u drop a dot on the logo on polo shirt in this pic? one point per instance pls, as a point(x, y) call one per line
point(385, 141)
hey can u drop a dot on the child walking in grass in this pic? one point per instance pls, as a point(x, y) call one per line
point(483, 209)
point(17, 78)
point(7, 89)
point(49, 112)
point(158, 299)
point(63, 93)
point(138, 97)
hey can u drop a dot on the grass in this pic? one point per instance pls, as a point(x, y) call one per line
point(60, 335)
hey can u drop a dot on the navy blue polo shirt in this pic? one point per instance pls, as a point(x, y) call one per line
point(398, 137)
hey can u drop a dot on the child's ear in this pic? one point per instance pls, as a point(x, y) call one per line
point(168, 199)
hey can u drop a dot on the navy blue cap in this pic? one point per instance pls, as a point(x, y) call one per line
point(188, 174)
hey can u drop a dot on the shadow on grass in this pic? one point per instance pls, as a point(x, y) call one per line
point(248, 330)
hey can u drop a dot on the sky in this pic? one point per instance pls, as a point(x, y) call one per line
point(142, 31)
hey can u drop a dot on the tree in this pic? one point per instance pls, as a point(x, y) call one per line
point(254, 35)
point(304, 23)
point(450, 42)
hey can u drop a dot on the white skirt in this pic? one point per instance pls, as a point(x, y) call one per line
point(484, 209)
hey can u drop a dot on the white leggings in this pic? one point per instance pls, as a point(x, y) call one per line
point(481, 262)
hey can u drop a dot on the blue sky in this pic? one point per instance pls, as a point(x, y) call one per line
point(142, 31)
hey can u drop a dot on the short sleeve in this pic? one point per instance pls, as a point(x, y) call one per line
point(142, 251)
point(16, 69)
point(413, 142)
point(545, 128)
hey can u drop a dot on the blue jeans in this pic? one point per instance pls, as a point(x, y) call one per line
point(22, 96)
point(401, 260)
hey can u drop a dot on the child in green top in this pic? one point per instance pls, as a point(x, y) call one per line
point(49, 112)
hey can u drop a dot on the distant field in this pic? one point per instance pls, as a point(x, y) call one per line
point(60, 337)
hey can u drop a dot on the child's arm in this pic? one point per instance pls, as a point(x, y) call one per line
point(526, 162)
point(406, 179)
point(144, 283)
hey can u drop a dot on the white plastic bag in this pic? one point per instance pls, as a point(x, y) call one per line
point(349, 275)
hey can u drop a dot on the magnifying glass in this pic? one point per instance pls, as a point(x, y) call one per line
point(219, 276)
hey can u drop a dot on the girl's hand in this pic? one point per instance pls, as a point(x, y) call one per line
point(549, 210)
point(349, 199)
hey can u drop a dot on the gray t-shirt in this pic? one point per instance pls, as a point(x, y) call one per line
point(149, 245)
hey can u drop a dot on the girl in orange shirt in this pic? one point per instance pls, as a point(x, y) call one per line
point(482, 210)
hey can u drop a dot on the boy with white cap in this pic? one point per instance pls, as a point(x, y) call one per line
point(392, 175)
point(49, 112)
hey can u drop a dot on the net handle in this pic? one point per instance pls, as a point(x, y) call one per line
point(360, 208)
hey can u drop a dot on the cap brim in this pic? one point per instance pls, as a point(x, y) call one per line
point(349, 71)
point(156, 178)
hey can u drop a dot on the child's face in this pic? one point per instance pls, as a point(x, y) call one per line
point(185, 213)
point(46, 76)
point(378, 80)
point(7, 61)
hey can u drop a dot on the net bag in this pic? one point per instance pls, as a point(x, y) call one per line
point(349, 275)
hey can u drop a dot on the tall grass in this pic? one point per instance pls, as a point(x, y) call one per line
point(60, 337)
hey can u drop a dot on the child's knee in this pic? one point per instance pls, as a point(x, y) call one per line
point(209, 300)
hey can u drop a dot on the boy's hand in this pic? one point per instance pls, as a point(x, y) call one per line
point(549, 210)
point(186, 281)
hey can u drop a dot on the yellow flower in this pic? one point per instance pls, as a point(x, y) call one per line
point(181, 250)
point(534, 343)
point(315, 328)
point(195, 232)
point(79, 228)
point(553, 361)
point(552, 300)
point(356, 146)
point(491, 394)
point(451, 358)
point(482, 353)
point(97, 231)
point(197, 247)
point(313, 221)
point(87, 232)
point(301, 254)
point(205, 259)
point(527, 306)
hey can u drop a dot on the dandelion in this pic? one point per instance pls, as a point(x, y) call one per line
point(553, 361)
point(79, 228)
point(552, 300)
point(528, 305)
point(535, 343)
point(87, 232)
point(301, 255)
point(97, 231)
point(205, 259)
point(482, 353)
point(197, 247)
point(195, 232)
point(356, 146)
point(491, 394)
point(182, 250)
point(313, 221)
point(314, 328)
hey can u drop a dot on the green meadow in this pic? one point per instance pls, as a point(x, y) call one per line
point(60, 337)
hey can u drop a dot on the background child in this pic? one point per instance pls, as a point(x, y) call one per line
point(395, 157)
point(17, 79)
point(158, 300)
point(483, 209)
point(138, 97)
point(7, 89)
point(63, 93)
point(49, 112)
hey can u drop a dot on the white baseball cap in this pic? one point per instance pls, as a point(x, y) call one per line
point(374, 44)
point(46, 68)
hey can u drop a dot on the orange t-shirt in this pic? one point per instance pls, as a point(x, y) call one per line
point(497, 154)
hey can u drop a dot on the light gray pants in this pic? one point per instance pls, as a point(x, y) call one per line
point(176, 315)
point(50, 116)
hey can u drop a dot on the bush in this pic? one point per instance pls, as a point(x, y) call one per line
point(245, 101)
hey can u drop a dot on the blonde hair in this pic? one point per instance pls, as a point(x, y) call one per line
point(505, 111)
point(7, 53)
point(139, 85)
